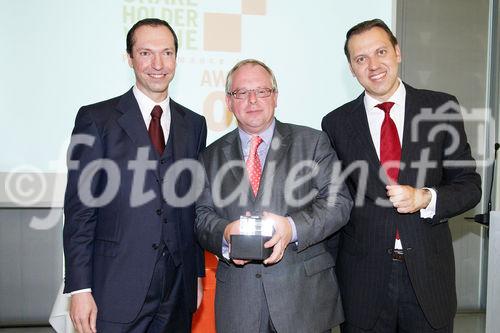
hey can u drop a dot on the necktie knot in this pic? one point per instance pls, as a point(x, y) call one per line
point(157, 112)
point(386, 107)
point(255, 143)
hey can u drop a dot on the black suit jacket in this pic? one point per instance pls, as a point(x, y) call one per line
point(364, 264)
point(112, 247)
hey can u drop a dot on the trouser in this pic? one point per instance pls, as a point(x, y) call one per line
point(164, 309)
point(402, 313)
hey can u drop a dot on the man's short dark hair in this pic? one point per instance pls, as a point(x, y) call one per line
point(153, 22)
point(365, 26)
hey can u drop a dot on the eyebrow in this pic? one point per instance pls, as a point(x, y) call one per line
point(354, 56)
point(150, 49)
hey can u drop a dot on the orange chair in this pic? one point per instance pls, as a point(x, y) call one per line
point(204, 317)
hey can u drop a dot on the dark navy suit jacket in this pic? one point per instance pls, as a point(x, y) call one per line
point(112, 247)
point(363, 264)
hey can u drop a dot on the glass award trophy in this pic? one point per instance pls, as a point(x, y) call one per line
point(249, 244)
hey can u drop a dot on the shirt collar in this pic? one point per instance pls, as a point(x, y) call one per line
point(398, 98)
point(146, 104)
point(266, 135)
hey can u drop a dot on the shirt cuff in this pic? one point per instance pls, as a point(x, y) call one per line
point(225, 249)
point(294, 229)
point(429, 211)
point(86, 290)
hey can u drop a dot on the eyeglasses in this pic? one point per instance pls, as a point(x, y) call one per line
point(259, 93)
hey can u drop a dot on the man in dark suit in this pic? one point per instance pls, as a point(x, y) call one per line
point(282, 172)
point(132, 261)
point(395, 264)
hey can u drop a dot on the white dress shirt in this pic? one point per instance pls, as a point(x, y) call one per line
point(146, 105)
point(375, 118)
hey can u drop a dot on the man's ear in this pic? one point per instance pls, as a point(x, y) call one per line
point(398, 53)
point(129, 59)
point(350, 68)
point(228, 103)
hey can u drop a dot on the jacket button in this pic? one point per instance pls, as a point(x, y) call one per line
point(409, 248)
point(258, 276)
point(162, 161)
point(155, 246)
point(158, 211)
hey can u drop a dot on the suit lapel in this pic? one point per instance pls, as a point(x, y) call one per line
point(282, 141)
point(232, 152)
point(178, 131)
point(410, 150)
point(132, 121)
point(361, 132)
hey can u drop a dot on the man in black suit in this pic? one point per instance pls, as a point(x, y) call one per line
point(132, 261)
point(395, 263)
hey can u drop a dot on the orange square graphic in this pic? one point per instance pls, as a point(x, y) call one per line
point(222, 32)
point(253, 7)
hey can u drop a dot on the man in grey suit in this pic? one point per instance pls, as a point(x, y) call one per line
point(282, 172)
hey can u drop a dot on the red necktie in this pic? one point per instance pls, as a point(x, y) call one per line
point(390, 147)
point(254, 167)
point(155, 130)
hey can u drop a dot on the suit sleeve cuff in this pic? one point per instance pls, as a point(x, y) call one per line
point(86, 290)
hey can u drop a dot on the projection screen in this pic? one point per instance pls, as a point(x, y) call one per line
point(64, 54)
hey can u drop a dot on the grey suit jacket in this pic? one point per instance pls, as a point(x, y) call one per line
point(301, 290)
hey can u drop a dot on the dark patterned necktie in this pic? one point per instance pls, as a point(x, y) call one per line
point(155, 131)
